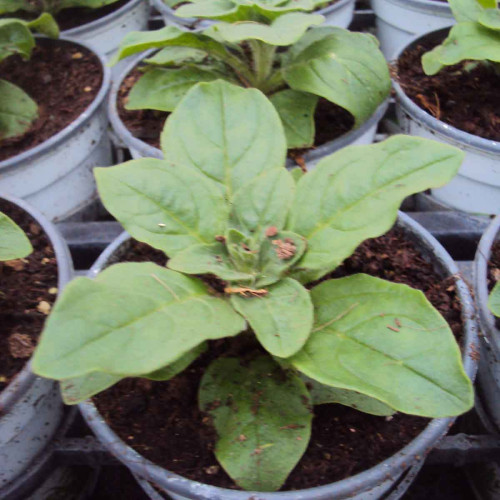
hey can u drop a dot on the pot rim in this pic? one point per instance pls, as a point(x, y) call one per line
point(426, 5)
point(72, 128)
point(426, 119)
point(97, 23)
point(25, 378)
point(401, 460)
point(148, 151)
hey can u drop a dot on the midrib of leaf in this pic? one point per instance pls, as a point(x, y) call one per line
point(227, 170)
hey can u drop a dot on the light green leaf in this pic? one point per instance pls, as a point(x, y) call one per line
point(150, 315)
point(469, 10)
point(283, 31)
point(15, 38)
point(237, 134)
point(162, 89)
point(242, 250)
point(355, 194)
point(7, 6)
point(296, 110)
point(173, 56)
point(281, 319)
point(17, 110)
point(385, 340)
point(263, 419)
point(297, 174)
point(170, 208)
point(431, 61)
point(494, 300)
point(326, 394)
point(344, 67)
point(491, 19)
point(14, 244)
point(208, 259)
point(46, 25)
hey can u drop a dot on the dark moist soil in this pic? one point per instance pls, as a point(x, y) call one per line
point(63, 79)
point(28, 288)
point(465, 98)
point(161, 420)
point(331, 120)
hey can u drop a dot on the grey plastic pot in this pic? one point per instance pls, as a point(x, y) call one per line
point(489, 365)
point(339, 14)
point(56, 176)
point(398, 21)
point(106, 33)
point(370, 484)
point(140, 149)
point(476, 187)
point(30, 407)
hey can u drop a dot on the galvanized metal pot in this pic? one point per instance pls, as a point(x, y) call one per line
point(370, 484)
point(31, 408)
point(56, 176)
point(476, 187)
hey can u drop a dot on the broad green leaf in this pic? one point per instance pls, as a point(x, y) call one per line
point(296, 110)
point(208, 259)
point(344, 67)
point(263, 203)
point(17, 110)
point(281, 319)
point(132, 319)
point(14, 244)
point(46, 25)
point(173, 56)
point(170, 208)
point(466, 41)
point(326, 394)
point(385, 340)
point(494, 300)
point(228, 133)
point(469, 10)
point(490, 18)
point(162, 89)
point(355, 194)
point(283, 31)
point(15, 38)
point(78, 389)
point(262, 417)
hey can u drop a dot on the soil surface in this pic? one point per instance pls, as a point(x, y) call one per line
point(331, 120)
point(464, 95)
point(28, 288)
point(161, 420)
point(62, 79)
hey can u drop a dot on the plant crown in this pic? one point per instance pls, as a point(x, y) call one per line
point(268, 47)
point(14, 244)
point(221, 203)
point(475, 37)
point(37, 7)
point(17, 109)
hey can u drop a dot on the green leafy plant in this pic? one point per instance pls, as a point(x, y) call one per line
point(14, 244)
point(37, 7)
point(476, 37)
point(222, 204)
point(17, 109)
point(494, 300)
point(269, 48)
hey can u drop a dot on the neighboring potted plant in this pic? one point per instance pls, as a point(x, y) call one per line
point(447, 88)
point(53, 123)
point(197, 14)
point(329, 85)
point(100, 23)
point(34, 267)
point(222, 207)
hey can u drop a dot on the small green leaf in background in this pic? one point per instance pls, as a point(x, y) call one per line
point(17, 110)
point(385, 340)
point(46, 25)
point(143, 317)
point(296, 110)
point(14, 244)
point(281, 319)
point(494, 300)
point(469, 10)
point(262, 416)
point(15, 38)
point(170, 208)
point(490, 18)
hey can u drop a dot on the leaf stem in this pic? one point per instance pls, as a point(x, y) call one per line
point(263, 60)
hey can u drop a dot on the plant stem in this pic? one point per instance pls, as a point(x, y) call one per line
point(263, 59)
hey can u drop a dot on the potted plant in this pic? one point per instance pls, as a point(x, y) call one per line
point(100, 23)
point(34, 268)
point(271, 347)
point(196, 14)
point(329, 85)
point(446, 88)
point(50, 141)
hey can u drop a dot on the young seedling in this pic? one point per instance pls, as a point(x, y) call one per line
point(222, 204)
point(17, 110)
point(37, 7)
point(475, 37)
point(268, 47)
